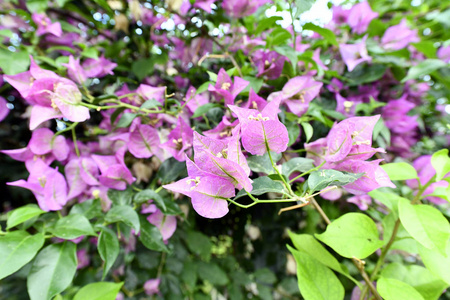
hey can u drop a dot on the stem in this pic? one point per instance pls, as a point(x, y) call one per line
point(355, 261)
point(161, 264)
point(74, 138)
point(288, 186)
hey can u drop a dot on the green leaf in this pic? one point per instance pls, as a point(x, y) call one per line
point(267, 23)
point(90, 53)
point(171, 170)
point(262, 164)
point(108, 248)
point(308, 129)
point(318, 180)
point(290, 53)
point(327, 34)
point(199, 244)
point(22, 214)
point(308, 244)
point(423, 68)
point(315, 281)
point(400, 171)
point(266, 276)
point(204, 109)
point(204, 87)
point(52, 271)
point(278, 36)
point(297, 164)
point(99, 291)
point(293, 131)
point(72, 226)
point(151, 237)
point(126, 120)
point(302, 6)
point(365, 74)
point(38, 6)
point(13, 63)
point(125, 214)
point(388, 199)
point(146, 195)
point(420, 278)
point(352, 235)
point(436, 262)
point(212, 273)
point(121, 197)
point(90, 209)
point(142, 67)
point(425, 224)
point(441, 163)
point(393, 289)
point(426, 47)
point(262, 185)
point(17, 248)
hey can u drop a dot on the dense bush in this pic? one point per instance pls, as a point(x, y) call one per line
point(238, 149)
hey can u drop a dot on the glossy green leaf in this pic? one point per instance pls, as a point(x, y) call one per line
point(302, 6)
point(13, 63)
point(290, 53)
point(126, 120)
point(125, 214)
point(99, 291)
point(151, 237)
point(199, 244)
point(262, 185)
point(200, 111)
point(308, 129)
point(149, 104)
point(17, 248)
point(426, 47)
point(318, 180)
point(425, 224)
point(441, 163)
point(212, 273)
point(393, 289)
point(316, 281)
point(22, 214)
point(423, 68)
point(121, 197)
point(108, 248)
point(90, 209)
point(52, 271)
point(436, 262)
point(72, 226)
point(400, 171)
point(352, 235)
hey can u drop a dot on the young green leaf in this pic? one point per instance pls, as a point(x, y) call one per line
point(315, 281)
point(52, 271)
point(393, 289)
point(352, 235)
point(296, 164)
point(99, 291)
point(151, 237)
point(125, 214)
point(318, 180)
point(17, 248)
point(441, 163)
point(262, 164)
point(262, 185)
point(423, 68)
point(436, 262)
point(400, 171)
point(425, 224)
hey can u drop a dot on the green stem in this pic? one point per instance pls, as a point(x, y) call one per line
point(307, 172)
point(75, 144)
point(287, 185)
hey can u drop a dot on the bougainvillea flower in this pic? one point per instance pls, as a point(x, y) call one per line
point(316, 150)
point(360, 16)
point(45, 25)
point(297, 93)
point(151, 286)
point(194, 100)
point(43, 142)
point(114, 174)
point(346, 107)
point(349, 132)
point(47, 184)
point(268, 63)
point(166, 224)
point(180, 140)
point(77, 186)
point(354, 54)
point(211, 155)
point(443, 53)
point(148, 92)
point(425, 171)
point(396, 118)
point(75, 71)
point(207, 191)
point(144, 142)
point(362, 201)
point(261, 130)
point(374, 176)
point(226, 89)
point(242, 8)
point(399, 36)
point(98, 67)
point(4, 110)
point(340, 15)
